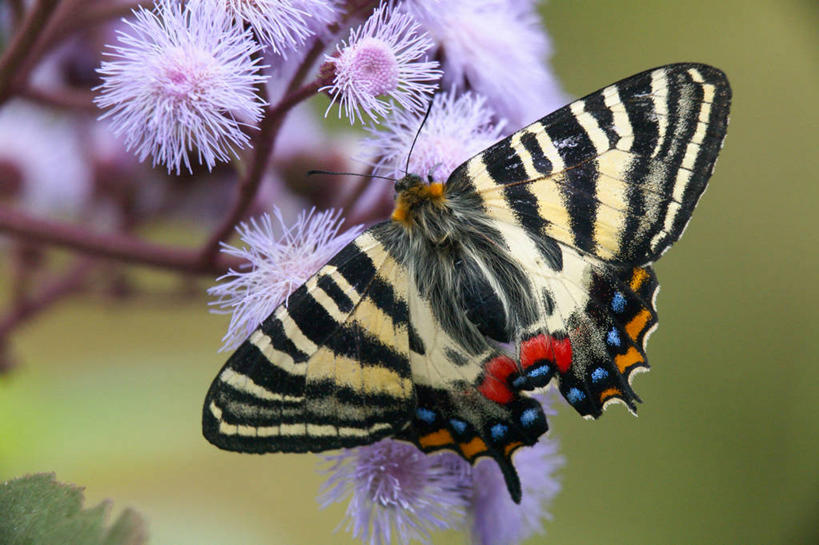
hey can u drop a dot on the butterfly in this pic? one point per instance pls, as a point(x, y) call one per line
point(530, 265)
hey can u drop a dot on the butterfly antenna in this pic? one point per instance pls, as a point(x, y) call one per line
point(414, 140)
point(316, 171)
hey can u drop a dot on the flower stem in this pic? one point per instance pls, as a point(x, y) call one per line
point(110, 245)
point(13, 62)
point(66, 284)
point(263, 148)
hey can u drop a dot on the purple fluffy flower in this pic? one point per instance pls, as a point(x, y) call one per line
point(457, 128)
point(284, 25)
point(496, 519)
point(383, 57)
point(397, 492)
point(497, 48)
point(182, 82)
point(278, 265)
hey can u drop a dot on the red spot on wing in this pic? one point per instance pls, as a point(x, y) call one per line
point(545, 347)
point(563, 354)
point(494, 385)
point(533, 350)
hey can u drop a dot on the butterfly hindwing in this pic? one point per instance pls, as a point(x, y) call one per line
point(465, 398)
point(328, 369)
point(615, 174)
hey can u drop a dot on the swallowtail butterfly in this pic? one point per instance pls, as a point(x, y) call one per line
point(531, 264)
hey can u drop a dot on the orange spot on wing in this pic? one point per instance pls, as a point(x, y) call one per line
point(436, 439)
point(637, 324)
point(624, 361)
point(637, 278)
point(606, 394)
point(472, 448)
point(511, 446)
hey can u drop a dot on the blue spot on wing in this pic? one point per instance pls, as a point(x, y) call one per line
point(458, 425)
point(529, 416)
point(498, 431)
point(613, 338)
point(425, 415)
point(540, 371)
point(599, 374)
point(575, 396)
point(519, 382)
point(618, 302)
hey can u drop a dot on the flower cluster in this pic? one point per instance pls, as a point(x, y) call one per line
point(215, 94)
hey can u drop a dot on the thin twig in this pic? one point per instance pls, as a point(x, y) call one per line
point(249, 184)
point(120, 247)
point(66, 98)
point(90, 16)
point(66, 284)
point(13, 66)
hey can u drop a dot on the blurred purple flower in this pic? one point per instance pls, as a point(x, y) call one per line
point(496, 519)
point(382, 57)
point(284, 25)
point(457, 128)
point(497, 48)
point(43, 164)
point(398, 492)
point(182, 82)
point(278, 264)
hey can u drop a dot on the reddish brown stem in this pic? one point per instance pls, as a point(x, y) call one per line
point(13, 66)
point(249, 184)
point(110, 246)
point(67, 98)
point(88, 16)
point(71, 281)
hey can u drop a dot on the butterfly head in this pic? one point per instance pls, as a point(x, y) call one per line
point(411, 194)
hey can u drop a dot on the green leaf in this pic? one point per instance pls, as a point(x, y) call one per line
point(37, 510)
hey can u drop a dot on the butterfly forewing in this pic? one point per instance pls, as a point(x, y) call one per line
point(615, 174)
point(328, 369)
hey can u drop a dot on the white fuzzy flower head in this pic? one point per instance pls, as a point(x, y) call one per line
point(284, 25)
point(382, 58)
point(457, 128)
point(498, 48)
point(182, 82)
point(277, 265)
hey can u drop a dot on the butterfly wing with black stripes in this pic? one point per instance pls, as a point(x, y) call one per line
point(532, 263)
point(612, 179)
point(328, 369)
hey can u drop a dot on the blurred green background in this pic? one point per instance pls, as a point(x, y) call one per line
point(725, 448)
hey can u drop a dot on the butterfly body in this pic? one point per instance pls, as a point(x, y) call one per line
point(530, 265)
